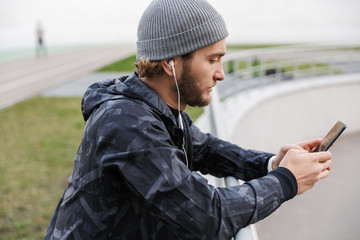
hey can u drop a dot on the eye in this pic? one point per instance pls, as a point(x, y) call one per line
point(214, 60)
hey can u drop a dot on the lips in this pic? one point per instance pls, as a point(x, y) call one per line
point(210, 88)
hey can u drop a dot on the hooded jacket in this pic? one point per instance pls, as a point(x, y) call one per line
point(131, 179)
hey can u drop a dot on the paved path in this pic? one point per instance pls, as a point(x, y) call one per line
point(25, 78)
point(77, 87)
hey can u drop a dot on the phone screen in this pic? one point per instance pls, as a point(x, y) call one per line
point(331, 137)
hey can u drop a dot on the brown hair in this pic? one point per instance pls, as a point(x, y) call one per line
point(147, 68)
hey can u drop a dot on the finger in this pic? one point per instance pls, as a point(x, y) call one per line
point(324, 174)
point(326, 165)
point(297, 152)
point(322, 156)
point(310, 144)
point(287, 147)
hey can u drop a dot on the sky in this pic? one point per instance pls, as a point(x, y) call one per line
point(76, 22)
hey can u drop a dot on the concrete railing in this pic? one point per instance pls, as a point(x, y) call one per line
point(258, 67)
point(272, 111)
point(265, 118)
point(218, 129)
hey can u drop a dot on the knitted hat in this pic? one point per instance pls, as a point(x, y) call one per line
point(170, 28)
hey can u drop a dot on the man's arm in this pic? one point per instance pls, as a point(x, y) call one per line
point(185, 200)
point(220, 158)
point(151, 167)
point(146, 161)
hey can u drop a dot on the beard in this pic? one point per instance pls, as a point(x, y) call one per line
point(191, 92)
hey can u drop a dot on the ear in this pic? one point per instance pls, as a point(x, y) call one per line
point(167, 68)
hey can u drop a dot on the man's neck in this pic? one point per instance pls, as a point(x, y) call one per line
point(166, 89)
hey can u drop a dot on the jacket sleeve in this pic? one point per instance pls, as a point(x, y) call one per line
point(144, 158)
point(220, 158)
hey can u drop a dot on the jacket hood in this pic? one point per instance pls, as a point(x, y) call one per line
point(126, 86)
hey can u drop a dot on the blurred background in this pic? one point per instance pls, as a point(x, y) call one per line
point(69, 22)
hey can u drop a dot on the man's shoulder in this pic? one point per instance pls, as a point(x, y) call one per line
point(127, 107)
point(127, 113)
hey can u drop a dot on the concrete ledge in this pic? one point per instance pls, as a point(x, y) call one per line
point(289, 112)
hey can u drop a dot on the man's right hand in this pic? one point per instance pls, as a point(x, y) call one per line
point(308, 168)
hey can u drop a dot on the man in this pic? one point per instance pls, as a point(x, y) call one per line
point(135, 173)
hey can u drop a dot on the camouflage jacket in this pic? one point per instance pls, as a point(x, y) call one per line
point(130, 180)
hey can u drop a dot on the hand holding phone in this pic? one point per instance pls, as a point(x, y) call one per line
point(331, 137)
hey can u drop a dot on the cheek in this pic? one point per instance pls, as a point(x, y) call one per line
point(200, 84)
point(204, 77)
point(206, 72)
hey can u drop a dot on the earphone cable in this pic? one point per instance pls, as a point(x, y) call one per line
point(180, 121)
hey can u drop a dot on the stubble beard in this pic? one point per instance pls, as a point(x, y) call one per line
point(190, 91)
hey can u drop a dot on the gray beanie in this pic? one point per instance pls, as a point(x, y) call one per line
point(170, 28)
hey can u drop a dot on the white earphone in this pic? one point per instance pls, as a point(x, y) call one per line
point(171, 62)
point(180, 120)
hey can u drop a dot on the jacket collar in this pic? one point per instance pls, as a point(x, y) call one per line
point(134, 88)
point(127, 86)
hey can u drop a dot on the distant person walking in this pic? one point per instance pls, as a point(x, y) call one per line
point(40, 46)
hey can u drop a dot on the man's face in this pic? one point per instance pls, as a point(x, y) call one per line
point(200, 73)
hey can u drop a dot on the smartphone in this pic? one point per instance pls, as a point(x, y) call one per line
point(331, 137)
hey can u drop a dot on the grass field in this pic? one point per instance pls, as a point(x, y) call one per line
point(38, 142)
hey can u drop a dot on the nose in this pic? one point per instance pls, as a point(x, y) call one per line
point(219, 74)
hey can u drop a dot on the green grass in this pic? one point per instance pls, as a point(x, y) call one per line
point(194, 112)
point(123, 65)
point(38, 142)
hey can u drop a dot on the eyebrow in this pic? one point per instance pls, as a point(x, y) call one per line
point(219, 54)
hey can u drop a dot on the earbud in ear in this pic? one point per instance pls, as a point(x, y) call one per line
point(171, 62)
